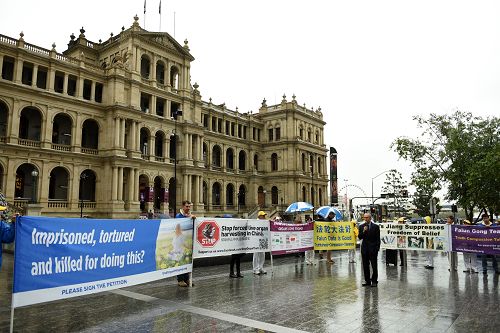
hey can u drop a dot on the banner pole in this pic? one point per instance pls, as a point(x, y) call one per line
point(272, 266)
point(11, 319)
point(192, 254)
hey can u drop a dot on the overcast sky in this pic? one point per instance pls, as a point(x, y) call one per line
point(370, 65)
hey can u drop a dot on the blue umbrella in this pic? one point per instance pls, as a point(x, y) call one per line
point(299, 207)
point(323, 211)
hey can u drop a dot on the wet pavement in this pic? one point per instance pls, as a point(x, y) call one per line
point(297, 297)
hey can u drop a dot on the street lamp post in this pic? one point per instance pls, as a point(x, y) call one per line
point(176, 113)
point(83, 176)
point(346, 201)
point(380, 174)
point(34, 177)
point(312, 183)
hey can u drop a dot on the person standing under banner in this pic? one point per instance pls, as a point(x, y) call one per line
point(352, 252)
point(402, 253)
point(329, 218)
point(430, 254)
point(369, 233)
point(259, 257)
point(183, 279)
point(484, 257)
point(470, 259)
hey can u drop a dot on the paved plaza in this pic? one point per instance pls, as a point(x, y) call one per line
point(297, 297)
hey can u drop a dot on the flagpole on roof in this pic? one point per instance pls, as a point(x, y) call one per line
point(174, 24)
point(144, 14)
point(159, 11)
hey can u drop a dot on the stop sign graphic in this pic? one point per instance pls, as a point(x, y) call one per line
point(208, 233)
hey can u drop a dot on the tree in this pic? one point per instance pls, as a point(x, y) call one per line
point(458, 152)
point(397, 189)
point(425, 187)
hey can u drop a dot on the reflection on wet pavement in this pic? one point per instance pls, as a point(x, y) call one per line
point(319, 298)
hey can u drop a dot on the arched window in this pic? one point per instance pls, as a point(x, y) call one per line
point(144, 141)
point(230, 195)
point(87, 186)
point(160, 72)
point(159, 138)
point(242, 160)
point(61, 129)
point(274, 162)
point(174, 77)
point(319, 165)
point(256, 162)
point(173, 146)
point(216, 191)
point(320, 197)
point(229, 159)
point(304, 194)
point(145, 66)
point(205, 195)
point(58, 184)
point(274, 195)
point(303, 158)
point(158, 193)
point(311, 163)
point(216, 156)
point(27, 179)
point(90, 134)
point(30, 124)
point(242, 195)
point(205, 154)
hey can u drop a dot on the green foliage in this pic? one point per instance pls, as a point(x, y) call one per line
point(458, 152)
point(395, 186)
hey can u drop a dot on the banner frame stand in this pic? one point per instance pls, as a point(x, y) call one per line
point(12, 316)
point(272, 266)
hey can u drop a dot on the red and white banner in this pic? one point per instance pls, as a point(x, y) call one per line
point(222, 236)
point(291, 238)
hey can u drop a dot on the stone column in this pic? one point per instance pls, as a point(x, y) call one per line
point(117, 132)
point(65, 84)
point(122, 133)
point(1, 62)
point(18, 70)
point(120, 184)
point(133, 136)
point(92, 91)
point(79, 93)
point(34, 75)
point(114, 184)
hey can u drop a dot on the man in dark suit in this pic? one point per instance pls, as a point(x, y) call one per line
point(369, 233)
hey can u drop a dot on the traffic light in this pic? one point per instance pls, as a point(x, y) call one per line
point(454, 208)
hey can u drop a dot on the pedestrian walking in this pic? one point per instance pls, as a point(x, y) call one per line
point(369, 233)
point(470, 259)
point(484, 257)
point(452, 256)
point(185, 211)
point(259, 257)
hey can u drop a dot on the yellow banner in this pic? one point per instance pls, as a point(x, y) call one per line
point(334, 236)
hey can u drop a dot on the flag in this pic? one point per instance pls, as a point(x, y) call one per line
point(144, 6)
point(159, 9)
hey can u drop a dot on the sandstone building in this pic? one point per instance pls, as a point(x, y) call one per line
point(105, 128)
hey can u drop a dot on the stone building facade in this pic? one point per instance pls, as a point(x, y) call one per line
point(115, 128)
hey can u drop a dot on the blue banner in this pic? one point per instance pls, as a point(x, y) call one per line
point(61, 257)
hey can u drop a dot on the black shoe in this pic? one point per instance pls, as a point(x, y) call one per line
point(366, 284)
point(233, 276)
point(429, 267)
point(239, 275)
point(485, 272)
point(375, 284)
